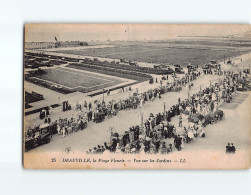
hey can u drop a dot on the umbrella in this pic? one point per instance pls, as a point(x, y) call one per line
point(190, 134)
point(148, 139)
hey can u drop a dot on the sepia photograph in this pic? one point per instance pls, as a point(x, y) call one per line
point(136, 96)
point(125, 97)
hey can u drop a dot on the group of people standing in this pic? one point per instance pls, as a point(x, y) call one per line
point(158, 135)
point(66, 126)
point(100, 109)
point(230, 148)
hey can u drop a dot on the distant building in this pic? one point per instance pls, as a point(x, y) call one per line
point(39, 45)
point(58, 44)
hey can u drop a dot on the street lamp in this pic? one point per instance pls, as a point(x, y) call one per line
point(164, 110)
point(103, 95)
point(200, 92)
point(142, 121)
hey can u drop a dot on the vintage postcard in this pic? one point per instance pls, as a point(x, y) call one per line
point(137, 96)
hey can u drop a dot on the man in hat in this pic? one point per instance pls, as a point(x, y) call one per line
point(99, 149)
point(232, 148)
point(178, 142)
point(170, 149)
point(102, 149)
point(106, 146)
point(228, 148)
point(90, 106)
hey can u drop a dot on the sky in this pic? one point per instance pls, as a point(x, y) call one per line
point(102, 32)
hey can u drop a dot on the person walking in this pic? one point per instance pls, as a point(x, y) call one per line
point(63, 131)
point(90, 106)
point(85, 105)
point(58, 128)
point(178, 142)
point(180, 121)
point(228, 148)
point(141, 102)
point(232, 148)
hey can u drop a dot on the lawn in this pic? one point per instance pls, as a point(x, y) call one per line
point(75, 79)
point(168, 52)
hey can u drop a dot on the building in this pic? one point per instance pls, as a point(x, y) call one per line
point(58, 44)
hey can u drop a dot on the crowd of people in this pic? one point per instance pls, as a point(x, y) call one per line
point(99, 110)
point(158, 135)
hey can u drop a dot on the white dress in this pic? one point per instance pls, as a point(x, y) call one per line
point(63, 130)
point(58, 129)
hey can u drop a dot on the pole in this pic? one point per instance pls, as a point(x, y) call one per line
point(164, 110)
point(103, 95)
point(142, 121)
point(200, 91)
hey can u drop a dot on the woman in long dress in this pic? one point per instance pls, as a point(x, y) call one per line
point(58, 128)
point(141, 102)
point(127, 148)
point(190, 135)
point(118, 148)
point(142, 149)
point(63, 131)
